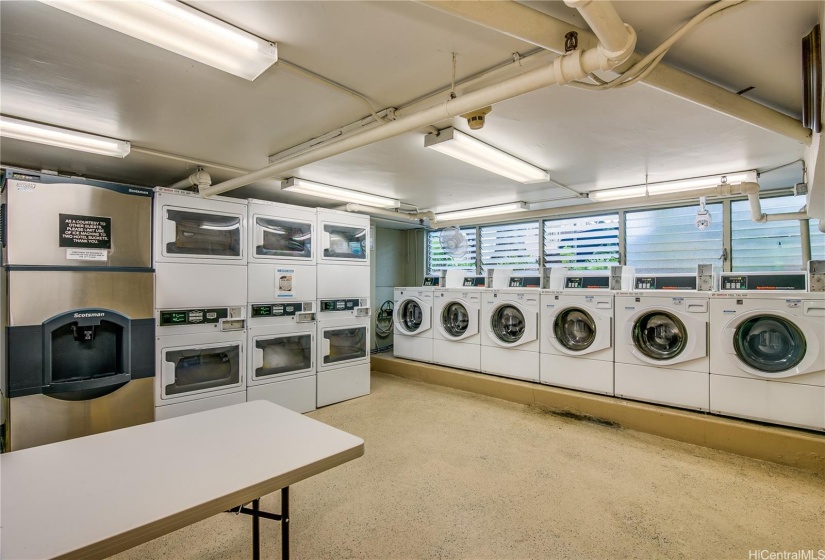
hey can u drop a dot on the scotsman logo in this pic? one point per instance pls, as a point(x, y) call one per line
point(85, 315)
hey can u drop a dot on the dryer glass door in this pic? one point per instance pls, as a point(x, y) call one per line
point(275, 237)
point(455, 319)
point(345, 242)
point(345, 344)
point(575, 329)
point(411, 315)
point(769, 343)
point(189, 371)
point(508, 324)
point(660, 335)
point(197, 233)
point(282, 354)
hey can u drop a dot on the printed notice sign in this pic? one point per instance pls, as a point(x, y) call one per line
point(87, 254)
point(85, 232)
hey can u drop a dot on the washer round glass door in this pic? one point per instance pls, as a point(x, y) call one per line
point(769, 343)
point(455, 319)
point(575, 329)
point(660, 335)
point(411, 315)
point(508, 324)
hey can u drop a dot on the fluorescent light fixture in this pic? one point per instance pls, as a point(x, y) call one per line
point(62, 138)
point(466, 148)
point(483, 211)
point(181, 29)
point(669, 187)
point(311, 188)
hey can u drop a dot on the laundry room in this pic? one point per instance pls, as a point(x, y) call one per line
point(413, 279)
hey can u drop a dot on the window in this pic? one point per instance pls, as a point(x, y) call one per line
point(590, 243)
point(667, 239)
point(771, 245)
point(513, 246)
point(438, 259)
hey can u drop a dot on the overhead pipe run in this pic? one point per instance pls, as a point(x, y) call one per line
point(573, 66)
point(752, 190)
point(372, 210)
point(200, 179)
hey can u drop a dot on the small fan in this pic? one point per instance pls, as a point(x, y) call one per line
point(453, 242)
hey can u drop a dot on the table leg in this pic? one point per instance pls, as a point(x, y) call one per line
point(256, 531)
point(285, 523)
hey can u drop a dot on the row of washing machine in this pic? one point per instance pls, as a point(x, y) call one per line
point(745, 345)
point(258, 300)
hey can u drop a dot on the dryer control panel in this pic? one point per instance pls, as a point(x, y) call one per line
point(278, 309)
point(671, 282)
point(770, 281)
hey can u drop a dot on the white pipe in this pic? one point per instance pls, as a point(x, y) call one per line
point(805, 238)
point(752, 190)
point(616, 40)
point(575, 66)
point(412, 216)
point(199, 178)
point(537, 28)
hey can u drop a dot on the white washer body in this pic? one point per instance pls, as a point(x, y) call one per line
point(661, 347)
point(343, 349)
point(281, 355)
point(510, 341)
point(768, 356)
point(191, 229)
point(456, 337)
point(577, 339)
point(413, 323)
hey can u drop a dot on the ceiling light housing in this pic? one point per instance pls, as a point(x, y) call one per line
point(483, 211)
point(311, 188)
point(62, 138)
point(176, 27)
point(670, 187)
point(462, 146)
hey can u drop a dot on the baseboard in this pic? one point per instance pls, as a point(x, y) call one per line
point(787, 446)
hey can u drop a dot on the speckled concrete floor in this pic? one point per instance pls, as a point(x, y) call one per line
point(449, 474)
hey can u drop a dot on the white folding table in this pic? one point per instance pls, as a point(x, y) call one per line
point(95, 496)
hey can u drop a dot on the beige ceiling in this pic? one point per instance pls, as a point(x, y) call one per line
point(62, 70)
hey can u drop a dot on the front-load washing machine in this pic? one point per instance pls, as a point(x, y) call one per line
point(343, 342)
point(767, 350)
point(343, 254)
point(510, 318)
point(661, 342)
point(456, 314)
point(413, 328)
point(200, 360)
point(281, 350)
point(577, 334)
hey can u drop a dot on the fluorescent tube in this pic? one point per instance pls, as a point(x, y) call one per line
point(470, 150)
point(311, 188)
point(176, 27)
point(62, 138)
point(483, 211)
point(669, 187)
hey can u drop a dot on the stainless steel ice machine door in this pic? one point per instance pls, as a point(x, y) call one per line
point(72, 222)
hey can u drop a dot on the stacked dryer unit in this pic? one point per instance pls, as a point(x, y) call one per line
point(577, 330)
point(767, 359)
point(661, 341)
point(343, 307)
point(281, 311)
point(200, 302)
point(457, 316)
point(413, 321)
point(510, 316)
